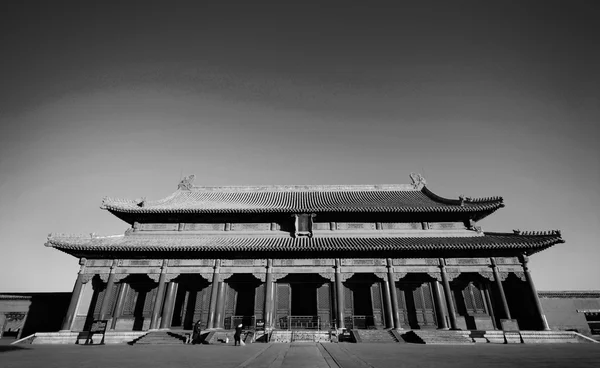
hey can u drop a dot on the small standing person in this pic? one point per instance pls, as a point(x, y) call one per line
point(238, 335)
point(197, 332)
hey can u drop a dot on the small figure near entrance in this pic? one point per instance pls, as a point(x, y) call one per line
point(195, 337)
point(238, 335)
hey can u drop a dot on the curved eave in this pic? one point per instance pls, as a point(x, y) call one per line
point(372, 201)
point(275, 247)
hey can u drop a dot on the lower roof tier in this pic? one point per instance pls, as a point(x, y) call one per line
point(195, 246)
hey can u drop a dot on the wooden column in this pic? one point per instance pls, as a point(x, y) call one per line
point(159, 297)
point(389, 320)
point(119, 304)
point(488, 300)
point(393, 294)
point(439, 305)
point(538, 306)
point(75, 296)
point(448, 293)
point(107, 294)
point(220, 307)
point(213, 295)
point(339, 291)
point(167, 313)
point(498, 282)
point(269, 295)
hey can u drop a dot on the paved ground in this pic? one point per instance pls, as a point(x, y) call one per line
point(301, 355)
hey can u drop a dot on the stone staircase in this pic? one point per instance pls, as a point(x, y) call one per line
point(378, 336)
point(300, 336)
point(549, 337)
point(160, 338)
point(493, 337)
point(441, 337)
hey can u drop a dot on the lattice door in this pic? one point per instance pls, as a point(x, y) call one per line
point(202, 305)
point(473, 297)
point(230, 302)
point(284, 303)
point(149, 302)
point(324, 303)
point(424, 306)
point(402, 310)
point(111, 302)
point(259, 301)
point(348, 306)
point(377, 304)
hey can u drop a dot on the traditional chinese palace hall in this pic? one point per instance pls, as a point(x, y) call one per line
point(305, 257)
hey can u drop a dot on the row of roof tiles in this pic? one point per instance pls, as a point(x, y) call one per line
point(195, 243)
point(268, 199)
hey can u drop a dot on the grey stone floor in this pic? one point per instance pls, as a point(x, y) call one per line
point(301, 355)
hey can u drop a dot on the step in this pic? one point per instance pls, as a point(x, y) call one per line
point(377, 336)
point(438, 337)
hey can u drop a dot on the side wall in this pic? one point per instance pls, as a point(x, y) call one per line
point(566, 312)
point(45, 311)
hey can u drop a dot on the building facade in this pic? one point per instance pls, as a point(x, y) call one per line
point(305, 257)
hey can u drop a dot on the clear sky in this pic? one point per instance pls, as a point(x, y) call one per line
point(483, 98)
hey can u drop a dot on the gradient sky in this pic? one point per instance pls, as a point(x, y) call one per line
point(483, 98)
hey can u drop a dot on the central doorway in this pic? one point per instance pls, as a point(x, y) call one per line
point(304, 299)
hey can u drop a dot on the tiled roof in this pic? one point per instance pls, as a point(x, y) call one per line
point(303, 199)
point(569, 294)
point(14, 297)
point(296, 246)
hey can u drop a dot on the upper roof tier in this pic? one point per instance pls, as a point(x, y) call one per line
point(387, 245)
point(304, 199)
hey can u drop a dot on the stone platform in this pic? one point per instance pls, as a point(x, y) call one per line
point(285, 355)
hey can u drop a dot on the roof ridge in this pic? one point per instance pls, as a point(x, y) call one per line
point(81, 235)
point(302, 188)
point(537, 233)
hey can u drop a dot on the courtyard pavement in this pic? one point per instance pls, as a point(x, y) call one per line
point(301, 355)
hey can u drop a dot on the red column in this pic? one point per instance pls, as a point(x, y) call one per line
point(220, 307)
point(109, 288)
point(339, 295)
point(443, 325)
point(498, 282)
point(538, 306)
point(393, 295)
point(167, 314)
point(119, 304)
point(448, 293)
point(158, 302)
point(213, 295)
point(68, 321)
point(269, 302)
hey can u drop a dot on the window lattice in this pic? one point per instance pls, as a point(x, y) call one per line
point(467, 295)
point(418, 297)
point(477, 297)
point(99, 300)
point(149, 301)
point(283, 296)
point(376, 295)
point(230, 304)
point(323, 297)
point(427, 297)
point(198, 303)
point(129, 305)
point(347, 298)
point(206, 292)
point(401, 300)
point(259, 298)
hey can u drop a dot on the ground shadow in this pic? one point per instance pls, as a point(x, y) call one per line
point(6, 348)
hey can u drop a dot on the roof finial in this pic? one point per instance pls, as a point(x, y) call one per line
point(187, 183)
point(418, 181)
